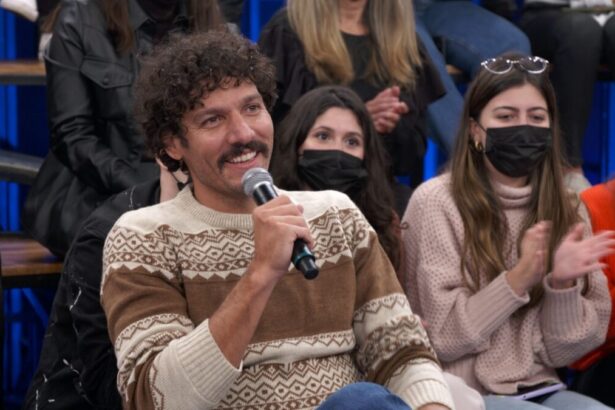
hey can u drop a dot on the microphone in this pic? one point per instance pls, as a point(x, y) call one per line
point(258, 184)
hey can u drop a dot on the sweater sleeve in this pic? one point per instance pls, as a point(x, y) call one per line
point(459, 324)
point(392, 346)
point(165, 361)
point(575, 320)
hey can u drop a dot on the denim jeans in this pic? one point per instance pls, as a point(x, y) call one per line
point(562, 400)
point(363, 396)
point(470, 34)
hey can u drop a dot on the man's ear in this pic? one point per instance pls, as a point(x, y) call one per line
point(172, 146)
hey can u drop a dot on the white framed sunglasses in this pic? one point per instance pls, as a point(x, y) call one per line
point(502, 65)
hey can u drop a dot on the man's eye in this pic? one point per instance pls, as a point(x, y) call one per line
point(253, 108)
point(211, 121)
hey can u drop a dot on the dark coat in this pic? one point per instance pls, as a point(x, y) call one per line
point(77, 367)
point(96, 147)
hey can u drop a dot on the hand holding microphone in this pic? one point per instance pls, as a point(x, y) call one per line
point(257, 182)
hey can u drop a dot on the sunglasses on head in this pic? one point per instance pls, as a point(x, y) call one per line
point(502, 65)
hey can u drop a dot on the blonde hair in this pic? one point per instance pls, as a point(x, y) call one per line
point(395, 54)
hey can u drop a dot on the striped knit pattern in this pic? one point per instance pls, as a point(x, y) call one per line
point(485, 337)
point(167, 268)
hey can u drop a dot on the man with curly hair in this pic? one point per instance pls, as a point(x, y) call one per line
point(202, 306)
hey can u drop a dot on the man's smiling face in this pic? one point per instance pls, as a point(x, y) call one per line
point(229, 133)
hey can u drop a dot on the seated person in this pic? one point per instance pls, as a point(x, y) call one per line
point(202, 305)
point(576, 41)
point(327, 141)
point(77, 367)
point(370, 46)
point(468, 34)
point(500, 261)
point(96, 149)
point(596, 369)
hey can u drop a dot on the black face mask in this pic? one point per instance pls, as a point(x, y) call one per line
point(517, 151)
point(332, 169)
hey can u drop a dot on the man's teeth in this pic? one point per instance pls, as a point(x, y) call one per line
point(243, 158)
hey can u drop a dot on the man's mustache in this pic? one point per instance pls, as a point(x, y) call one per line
point(238, 149)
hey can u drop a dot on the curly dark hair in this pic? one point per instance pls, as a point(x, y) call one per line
point(183, 71)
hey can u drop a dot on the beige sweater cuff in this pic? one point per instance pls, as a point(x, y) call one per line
point(206, 367)
point(562, 308)
point(492, 305)
point(420, 384)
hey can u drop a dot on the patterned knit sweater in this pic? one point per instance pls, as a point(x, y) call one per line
point(167, 268)
point(485, 337)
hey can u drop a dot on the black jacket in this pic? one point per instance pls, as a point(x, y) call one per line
point(77, 367)
point(97, 148)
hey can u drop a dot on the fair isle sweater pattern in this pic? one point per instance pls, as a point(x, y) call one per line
point(168, 267)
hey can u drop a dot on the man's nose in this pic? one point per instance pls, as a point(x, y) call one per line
point(240, 131)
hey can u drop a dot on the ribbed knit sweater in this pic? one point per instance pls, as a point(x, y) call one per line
point(485, 337)
point(167, 268)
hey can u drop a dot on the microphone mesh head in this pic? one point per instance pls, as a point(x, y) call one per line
point(253, 177)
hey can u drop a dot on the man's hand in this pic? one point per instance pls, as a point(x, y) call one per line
point(386, 109)
point(277, 224)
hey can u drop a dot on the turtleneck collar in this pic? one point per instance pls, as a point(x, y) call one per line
point(512, 197)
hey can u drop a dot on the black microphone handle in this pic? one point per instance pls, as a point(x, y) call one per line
point(302, 258)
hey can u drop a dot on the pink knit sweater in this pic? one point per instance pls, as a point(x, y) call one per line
point(484, 337)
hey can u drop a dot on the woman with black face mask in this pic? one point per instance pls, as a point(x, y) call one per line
point(327, 141)
point(500, 260)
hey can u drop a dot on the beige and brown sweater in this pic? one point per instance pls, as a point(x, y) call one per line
point(167, 268)
point(484, 337)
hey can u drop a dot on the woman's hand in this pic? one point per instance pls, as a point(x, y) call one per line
point(532, 260)
point(575, 257)
point(386, 109)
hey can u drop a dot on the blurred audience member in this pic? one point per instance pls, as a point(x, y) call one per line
point(576, 36)
point(94, 56)
point(370, 46)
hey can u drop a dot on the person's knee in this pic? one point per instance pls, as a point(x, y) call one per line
point(363, 396)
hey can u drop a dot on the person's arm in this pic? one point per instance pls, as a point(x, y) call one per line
point(577, 306)
point(459, 324)
point(392, 346)
point(75, 102)
point(162, 355)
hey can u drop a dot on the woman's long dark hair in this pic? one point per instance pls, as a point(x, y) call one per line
point(204, 15)
point(375, 199)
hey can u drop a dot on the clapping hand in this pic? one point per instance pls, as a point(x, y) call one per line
point(532, 260)
point(575, 257)
point(386, 109)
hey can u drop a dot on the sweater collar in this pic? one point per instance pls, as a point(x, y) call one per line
point(512, 197)
point(219, 220)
